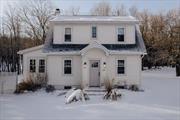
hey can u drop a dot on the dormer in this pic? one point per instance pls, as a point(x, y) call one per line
point(84, 29)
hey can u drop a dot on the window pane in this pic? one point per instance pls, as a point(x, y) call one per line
point(67, 38)
point(94, 31)
point(120, 70)
point(94, 65)
point(120, 67)
point(67, 70)
point(41, 66)
point(120, 37)
point(120, 63)
point(41, 62)
point(67, 31)
point(32, 66)
point(120, 31)
point(67, 67)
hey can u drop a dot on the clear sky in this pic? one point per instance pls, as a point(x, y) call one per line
point(86, 5)
point(152, 5)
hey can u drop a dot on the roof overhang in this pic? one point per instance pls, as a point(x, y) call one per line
point(94, 45)
point(30, 49)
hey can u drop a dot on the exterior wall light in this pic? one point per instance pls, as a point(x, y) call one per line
point(84, 64)
point(104, 64)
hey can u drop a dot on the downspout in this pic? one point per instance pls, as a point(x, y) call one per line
point(140, 85)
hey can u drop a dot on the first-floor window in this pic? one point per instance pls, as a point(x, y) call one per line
point(67, 67)
point(41, 66)
point(32, 66)
point(120, 67)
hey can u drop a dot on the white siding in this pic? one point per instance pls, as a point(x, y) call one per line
point(55, 71)
point(80, 72)
point(37, 54)
point(106, 33)
point(132, 69)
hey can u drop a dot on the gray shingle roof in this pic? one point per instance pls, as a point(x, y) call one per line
point(137, 47)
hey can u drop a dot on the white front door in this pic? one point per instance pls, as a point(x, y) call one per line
point(94, 73)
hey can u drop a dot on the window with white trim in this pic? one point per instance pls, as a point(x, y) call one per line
point(41, 66)
point(120, 35)
point(67, 67)
point(94, 32)
point(32, 66)
point(120, 67)
point(67, 36)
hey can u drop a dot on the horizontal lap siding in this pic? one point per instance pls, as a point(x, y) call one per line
point(37, 54)
point(55, 70)
point(106, 33)
point(132, 69)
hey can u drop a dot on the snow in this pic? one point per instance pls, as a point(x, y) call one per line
point(160, 101)
point(91, 18)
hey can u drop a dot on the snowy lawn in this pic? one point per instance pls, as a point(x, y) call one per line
point(159, 101)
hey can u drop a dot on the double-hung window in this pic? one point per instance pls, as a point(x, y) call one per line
point(67, 67)
point(120, 67)
point(32, 66)
point(41, 66)
point(94, 32)
point(67, 36)
point(120, 35)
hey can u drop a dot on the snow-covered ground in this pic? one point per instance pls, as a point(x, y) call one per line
point(159, 101)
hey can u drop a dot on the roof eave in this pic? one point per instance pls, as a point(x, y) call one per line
point(30, 49)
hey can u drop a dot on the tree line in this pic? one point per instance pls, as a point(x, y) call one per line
point(26, 26)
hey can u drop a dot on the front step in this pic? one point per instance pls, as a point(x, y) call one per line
point(95, 90)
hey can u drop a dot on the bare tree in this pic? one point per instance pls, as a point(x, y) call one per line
point(102, 8)
point(120, 10)
point(73, 11)
point(13, 28)
point(35, 14)
point(133, 11)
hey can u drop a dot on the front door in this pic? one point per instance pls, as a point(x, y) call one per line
point(94, 74)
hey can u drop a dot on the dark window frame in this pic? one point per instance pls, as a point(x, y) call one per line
point(94, 32)
point(120, 67)
point(42, 66)
point(120, 36)
point(67, 67)
point(67, 35)
point(32, 65)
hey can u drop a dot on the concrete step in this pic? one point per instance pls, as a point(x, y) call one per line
point(95, 89)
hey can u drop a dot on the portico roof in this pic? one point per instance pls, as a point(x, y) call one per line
point(93, 45)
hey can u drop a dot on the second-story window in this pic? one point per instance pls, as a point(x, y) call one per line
point(120, 34)
point(94, 32)
point(67, 36)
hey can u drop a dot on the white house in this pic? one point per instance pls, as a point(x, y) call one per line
point(86, 50)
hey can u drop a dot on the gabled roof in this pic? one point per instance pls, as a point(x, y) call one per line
point(92, 18)
point(92, 45)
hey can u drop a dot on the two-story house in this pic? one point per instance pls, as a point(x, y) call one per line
point(86, 50)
